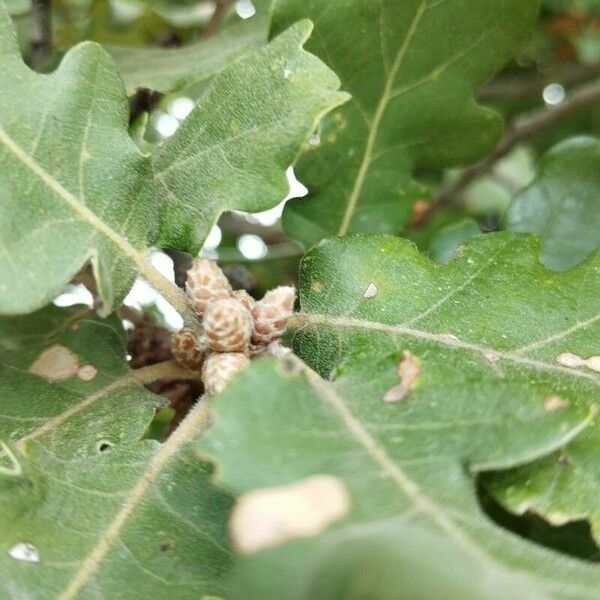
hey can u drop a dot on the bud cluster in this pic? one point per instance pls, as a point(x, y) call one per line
point(235, 327)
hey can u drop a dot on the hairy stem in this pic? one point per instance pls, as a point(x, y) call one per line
point(164, 370)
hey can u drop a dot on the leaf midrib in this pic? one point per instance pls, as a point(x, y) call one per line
point(188, 428)
point(380, 111)
point(84, 214)
point(448, 340)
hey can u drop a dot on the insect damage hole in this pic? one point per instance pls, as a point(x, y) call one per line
point(268, 517)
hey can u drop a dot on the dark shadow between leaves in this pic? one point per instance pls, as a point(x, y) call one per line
point(573, 539)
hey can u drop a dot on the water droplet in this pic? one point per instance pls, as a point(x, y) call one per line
point(245, 9)
point(25, 551)
point(553, 94)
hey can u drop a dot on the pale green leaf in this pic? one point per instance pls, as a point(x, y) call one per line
point(412, 68)
point(108, 513)
point(72, 180)
point(485, 331)
point(563, 203)
point(74, 187)
point(233, 150)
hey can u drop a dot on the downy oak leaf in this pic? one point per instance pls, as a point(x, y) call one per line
point(72, 183)
point(167, 69)
point(412, 68)
point(563, 204)
point(233, 150)
point(417, 377)
point(88, 507)
point(74, 186)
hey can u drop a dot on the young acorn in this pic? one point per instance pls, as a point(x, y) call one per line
point(235, 327)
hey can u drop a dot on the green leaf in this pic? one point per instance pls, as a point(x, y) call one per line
point(72, 180)
point(233, 150)
point(369, 562)
point(563, 203)
point(107, 512)
point(74, 187)
point(446, 243)
point(485, 352)
point(561, 488)
point(167, 69)
point(412, 68)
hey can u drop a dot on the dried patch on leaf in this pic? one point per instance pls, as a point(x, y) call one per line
point(409, 369)
point(55, 364)
point(269, 517)
point(554, 402)
point(87, 372)
point(371, 291)
point(572, 361)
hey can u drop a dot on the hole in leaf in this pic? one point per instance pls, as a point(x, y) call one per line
point(574, 539)
point(104, 446)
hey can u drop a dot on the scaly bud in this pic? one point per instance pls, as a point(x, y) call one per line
point(228, 326)
point(185, 350)
point(205, 283)
point(271, 315)
point(219, 368)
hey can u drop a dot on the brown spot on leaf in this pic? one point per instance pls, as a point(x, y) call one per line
point(268, 517)
point(409, 369)
point(55, 364)
point(554, 402)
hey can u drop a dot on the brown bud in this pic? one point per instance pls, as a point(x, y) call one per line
point(205, 283)
point(271, 315)
point(227, 325)
point(185, 350)
point(219, 368)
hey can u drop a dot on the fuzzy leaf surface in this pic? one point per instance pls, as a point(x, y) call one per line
point(563, 204)
point(74, 186)
point(412, 68)
point(485, 330)
point(233, 150)
point(109, 513)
